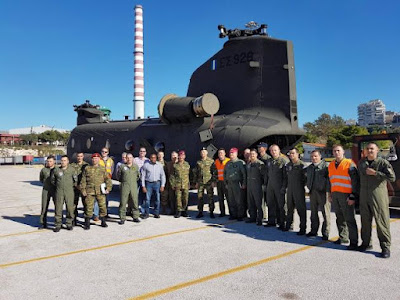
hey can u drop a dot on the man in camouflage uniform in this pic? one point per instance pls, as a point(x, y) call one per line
point(79, 166)
point(128, 175)
point(375, 172)
point(205, 176)
point(318, 183)
point(255, 179)
point(92, 179)
point(294, 180)
point(179, 181)
point(169, 168)
point(235, 179)
point(65, 179)
point(49, 190)
point(275, 194)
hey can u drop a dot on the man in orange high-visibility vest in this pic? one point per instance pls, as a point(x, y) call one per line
point(220, 163)
point(344, 186)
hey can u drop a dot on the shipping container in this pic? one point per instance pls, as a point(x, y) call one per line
point(28, 159)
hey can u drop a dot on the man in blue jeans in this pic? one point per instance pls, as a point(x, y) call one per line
point(152, 181)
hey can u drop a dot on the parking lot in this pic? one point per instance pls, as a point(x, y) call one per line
point(183, 258)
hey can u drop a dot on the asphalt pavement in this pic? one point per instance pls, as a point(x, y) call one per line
point(185, 258)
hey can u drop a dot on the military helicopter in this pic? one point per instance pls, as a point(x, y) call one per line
point(241, 96)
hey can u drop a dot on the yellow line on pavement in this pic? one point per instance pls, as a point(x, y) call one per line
point(224, 273)
point(6, 265)
point(25, 232)
point(228, 271)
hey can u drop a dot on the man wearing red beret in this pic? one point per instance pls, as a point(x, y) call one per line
point(95, 184)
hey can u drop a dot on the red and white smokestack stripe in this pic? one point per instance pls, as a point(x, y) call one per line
point(138, 86)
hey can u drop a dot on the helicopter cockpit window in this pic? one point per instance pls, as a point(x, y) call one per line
point(129, 145)
point(160, 146)
point(387, 149)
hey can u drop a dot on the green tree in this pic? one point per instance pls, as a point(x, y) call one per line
point(48, 136)
point(321, 128)
point(29, 139)
point(344, 135)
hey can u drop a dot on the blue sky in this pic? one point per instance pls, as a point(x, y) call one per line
point(54, 54)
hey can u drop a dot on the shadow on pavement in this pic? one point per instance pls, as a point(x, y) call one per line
point(33, 182)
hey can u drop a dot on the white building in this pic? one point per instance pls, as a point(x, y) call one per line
point(34, 129)
point(371, 113)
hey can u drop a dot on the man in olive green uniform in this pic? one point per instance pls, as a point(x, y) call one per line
point(205, 177)
point(344, 189)
point(275, 194)
point(49, 190)
point(79, 166)
point(235, 179)
point(128, 175)
point(317, 183)
point(294, 180)
point(65, 179)
point(92, 187)
point(375, 172)
point(263, 156)
point(169, 169)
point(179, 181)
point(255, 179)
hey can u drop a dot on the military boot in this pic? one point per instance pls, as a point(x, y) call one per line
point(103, 222)
point(87, 224)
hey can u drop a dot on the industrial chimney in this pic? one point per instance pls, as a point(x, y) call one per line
point(138, 86)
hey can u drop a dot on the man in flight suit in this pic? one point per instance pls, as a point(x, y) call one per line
point(375, 172)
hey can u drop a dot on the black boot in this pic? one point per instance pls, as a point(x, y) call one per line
point(87, 224)
point(103, 222)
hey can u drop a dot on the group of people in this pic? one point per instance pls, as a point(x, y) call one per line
point(259, 187)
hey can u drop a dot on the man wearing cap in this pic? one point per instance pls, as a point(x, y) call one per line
point(64, 178)
point(294, 180)
point(95, 184)
point(255, 179)
point(263, 156)
point(205, 176)
point(49, 190)
point(180, 184)
point(79, 166)
point(128, 175)
point(235, 179)
point(275, 194)
point(220, 164)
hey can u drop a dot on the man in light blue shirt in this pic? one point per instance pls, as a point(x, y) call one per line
point(152, 181)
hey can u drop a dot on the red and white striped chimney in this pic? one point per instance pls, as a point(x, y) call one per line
point(138, 86)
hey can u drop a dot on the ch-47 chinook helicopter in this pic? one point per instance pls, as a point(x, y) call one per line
point(242, 95)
